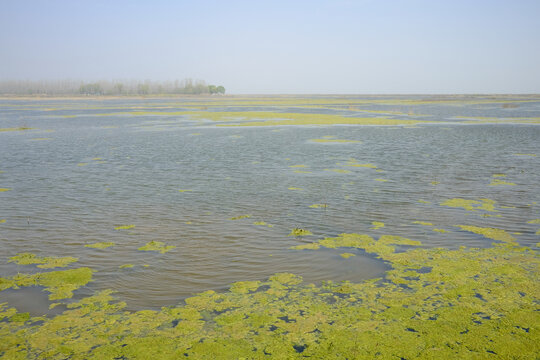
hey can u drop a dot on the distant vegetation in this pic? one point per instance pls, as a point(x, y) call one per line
point(129, 87)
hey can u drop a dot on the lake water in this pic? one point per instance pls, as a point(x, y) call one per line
point(89, 166)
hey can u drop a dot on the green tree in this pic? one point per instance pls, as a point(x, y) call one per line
point(220, 89)
point(212, 89)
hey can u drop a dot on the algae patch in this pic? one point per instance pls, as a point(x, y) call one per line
point(376, 225)
point(100, 245)
point(124, 227)
point(156, 246)
point(60, 284)
point(300, 232)
point(471, 205)
point(43, 262)
point(240, 217)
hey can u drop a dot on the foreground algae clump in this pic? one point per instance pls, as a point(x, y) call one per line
point(60, 284)
point(432, 304)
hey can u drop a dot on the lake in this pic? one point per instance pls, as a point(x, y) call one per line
point(210, 178)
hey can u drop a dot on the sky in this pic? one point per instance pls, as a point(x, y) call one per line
point(280, 47)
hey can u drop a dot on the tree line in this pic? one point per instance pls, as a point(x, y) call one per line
point(118, 87)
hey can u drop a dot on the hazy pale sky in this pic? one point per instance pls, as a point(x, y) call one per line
point(431, 46)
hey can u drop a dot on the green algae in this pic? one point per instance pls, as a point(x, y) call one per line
point(294, 188)
point(297, 166)
point(376, 225)
point(100, 245)
point(496, 182)
point(433, 303)
point(471, 205)
point(442, 231)
point(2, 221)
point(340, 171)
point(532, 155)
point(126, 266)
point(423, 223)
point(60, 284)
point(240, 217)
point(43, 262)
point(22, 128)
point(4, 189)
point(535, 221)
point(262, 223)
point(184, 190)
point(82, 164)
point(347, 255)
point(318, 206)
point(490, 233)
point(381, 180)
point(124, 227)
point(157, 246)
point(300, 232)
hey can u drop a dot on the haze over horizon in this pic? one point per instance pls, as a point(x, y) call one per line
point(279, 47)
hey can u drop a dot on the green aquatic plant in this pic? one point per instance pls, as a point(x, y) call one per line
point(2, 221)
point(262, 223)
point(82, 164)
point(318, 206)
point(300, 232)
point(440, 303)
point(43, 262)
point(341, 171)
point(240, 217)
point(532, 155)
point(4, 189)
point(382, 180)
point(347, 255)
point(22, 128)
point(295, 188)
point(157, 246)
point(297, 166)
point(100, 245)
point(60, 284)
point(126, 266)
point(124, 227)
point(442, 231)
point(471, 205)
point(423, 223)
point(185, 190)
point(495, 182)
point(490, 233)
point(376, 225)
point(535, 221)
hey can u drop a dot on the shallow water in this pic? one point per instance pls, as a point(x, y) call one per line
point(89, 166)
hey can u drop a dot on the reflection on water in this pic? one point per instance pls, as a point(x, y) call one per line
point(98, 173)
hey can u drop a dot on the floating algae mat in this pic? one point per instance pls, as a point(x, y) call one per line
point(118, 258)
point(439, 303)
